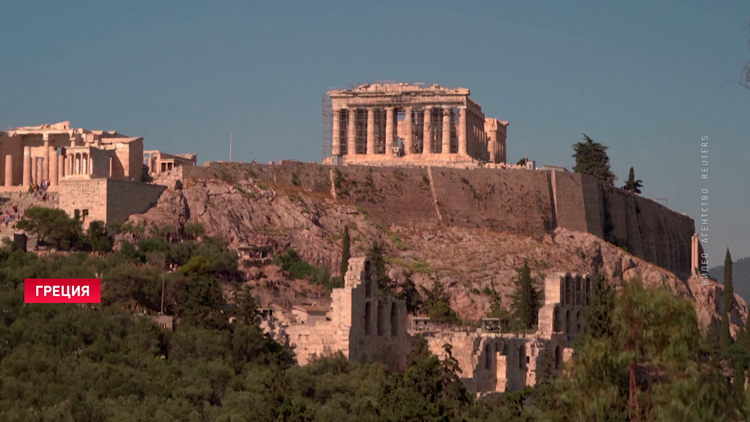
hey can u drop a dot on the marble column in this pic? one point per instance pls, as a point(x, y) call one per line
point(52, 167)
point(446, 130)
point(351, 139)
point(61, 167)
point(34, 170)
point(408, 130)
point(390, 138)
point(371, 131)
point(462, 131)
point(45, 168)
point(336, 134)
point(26, 166)
point(427, 137)
point(8, 170)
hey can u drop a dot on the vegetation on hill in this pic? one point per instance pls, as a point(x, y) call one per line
point(591, 158)
point(633, 185)
point(740, 276)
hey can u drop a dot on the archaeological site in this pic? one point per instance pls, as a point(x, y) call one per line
point(420, 170)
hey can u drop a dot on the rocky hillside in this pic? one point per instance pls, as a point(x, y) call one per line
point(467, 259)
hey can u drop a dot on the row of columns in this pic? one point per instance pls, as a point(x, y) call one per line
point(37, 169)
point(390, 130)
point(52, 166)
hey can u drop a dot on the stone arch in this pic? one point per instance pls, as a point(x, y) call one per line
point(504, 350)
point(579, 321)
point(368, 318)
point(368, 276)
point(487, 356)
point(568, 290)
point(556, 323)
point(558, 357)
point(381, 318)
point(394, 320)
point(522, 356)
point(579, 291)
point(568, 322)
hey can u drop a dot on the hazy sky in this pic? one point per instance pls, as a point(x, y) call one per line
point(646, 79)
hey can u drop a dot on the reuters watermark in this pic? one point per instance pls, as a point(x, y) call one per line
point(703, 236)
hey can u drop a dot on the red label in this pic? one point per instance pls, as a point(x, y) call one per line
point(62, 290)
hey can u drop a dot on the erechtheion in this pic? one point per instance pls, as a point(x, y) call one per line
point(93, 174)
point(402, 123)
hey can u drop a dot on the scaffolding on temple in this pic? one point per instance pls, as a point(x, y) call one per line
point(327, 118)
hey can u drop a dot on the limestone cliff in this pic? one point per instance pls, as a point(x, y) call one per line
point(482, 247)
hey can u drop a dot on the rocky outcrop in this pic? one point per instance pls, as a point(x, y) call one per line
point(302, 214)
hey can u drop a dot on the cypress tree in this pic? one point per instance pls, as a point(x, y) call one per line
point(725, 337)
point(345, 252)
point(591, 158)
point(526, 299)
point(728, 285)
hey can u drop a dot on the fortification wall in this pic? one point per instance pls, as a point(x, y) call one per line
point(107, 199)
point(521, 201)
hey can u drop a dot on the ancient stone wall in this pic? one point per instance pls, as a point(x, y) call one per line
point(107, 199)
point(125, 198)
point(365, 326)
point(529, 202)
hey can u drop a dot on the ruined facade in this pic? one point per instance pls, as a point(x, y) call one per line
point(367, 327)
point(401, 123)
point(362, 324)
point(158, 162)
point(494, 362)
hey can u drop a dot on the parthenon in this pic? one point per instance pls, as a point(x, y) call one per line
point(403, 123)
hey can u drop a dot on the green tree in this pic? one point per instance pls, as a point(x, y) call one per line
point(650, 370)
point(195, 229)
point(633, 185)
point(51, 223)
point(376, 253)
point(598, 315)
point(98, 237)
point(725, 337)
point(526, 299)
point(591, 158)
point(345, 252)
point(437, 303)
point(408, 293)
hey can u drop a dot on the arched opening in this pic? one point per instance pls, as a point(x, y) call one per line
point(568, 291)
point(381, 318)
point(394, 320)
point(568, 322)
point(505, 350)
point(579, 291)
point(579, 321)
point(556, 326)
point(487, 357)
point(521, 357)
point(368, 318)
point(368, 276)
point(588, 291)
point(558, 357)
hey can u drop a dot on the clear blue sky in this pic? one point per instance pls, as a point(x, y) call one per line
point(646, 78)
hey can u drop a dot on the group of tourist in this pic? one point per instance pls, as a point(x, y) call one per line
point(13, 216)
point(39, 189)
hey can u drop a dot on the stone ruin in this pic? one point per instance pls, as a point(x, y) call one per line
point(362, 324)
point(369, 327)
point(99, 174)
point(399, 123)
